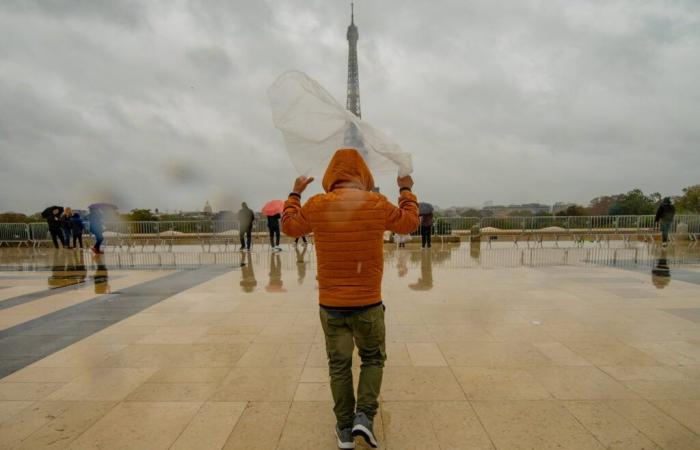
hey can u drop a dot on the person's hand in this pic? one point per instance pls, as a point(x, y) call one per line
point(300, 184)
point(405, 182)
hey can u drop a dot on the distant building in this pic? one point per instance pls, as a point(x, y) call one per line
point(207, 208)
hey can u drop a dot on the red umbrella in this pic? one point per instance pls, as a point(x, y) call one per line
point(273, 207)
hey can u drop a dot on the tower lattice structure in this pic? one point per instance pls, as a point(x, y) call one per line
point(353, 102)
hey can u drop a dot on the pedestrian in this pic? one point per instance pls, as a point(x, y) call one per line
point(245, 220)
point(664, 217)
point(96, 222)
point(401, 239)
point(53, 220)
point(273, 226)
point(77, 228)
point(426, 228)
point(348, 223)
point(303, 238)
point(67, 227)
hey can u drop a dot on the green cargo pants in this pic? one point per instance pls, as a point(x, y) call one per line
point(366, 331)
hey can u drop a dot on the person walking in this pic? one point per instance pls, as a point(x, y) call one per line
point(53, 220)
point(426, 228)
point(245, 220)
point(303, 238)
point(664, 217)
point(67, 227)
point(273, 226)
point(96, 221)
point(348, 223)
point(77, 228)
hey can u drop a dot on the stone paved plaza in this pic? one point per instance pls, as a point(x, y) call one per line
point(504, 348)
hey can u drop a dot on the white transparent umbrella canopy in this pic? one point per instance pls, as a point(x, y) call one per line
point(314, 125)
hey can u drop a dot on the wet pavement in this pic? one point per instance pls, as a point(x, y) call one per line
point(577, 347)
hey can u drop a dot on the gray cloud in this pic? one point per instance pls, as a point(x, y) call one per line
point(163, 104)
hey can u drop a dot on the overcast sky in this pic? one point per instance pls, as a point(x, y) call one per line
point(163, 103)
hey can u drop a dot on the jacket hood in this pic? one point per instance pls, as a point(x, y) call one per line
point(349, 168)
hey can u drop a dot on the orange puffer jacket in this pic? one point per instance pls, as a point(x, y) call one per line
point(348, 223)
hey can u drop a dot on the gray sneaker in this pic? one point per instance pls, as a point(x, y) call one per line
point(362, 427)
point(344, 436)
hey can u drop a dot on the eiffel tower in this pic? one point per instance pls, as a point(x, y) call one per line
point(353, 102)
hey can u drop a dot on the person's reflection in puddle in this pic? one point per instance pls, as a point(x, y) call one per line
point(101, 277)
point(275, 284)
point(79, 266)
point(59, 272)
point(402, 262)
point(248, 281)
point(301, 263)
point(425, 282)
point(661, 273)
point(475, 249)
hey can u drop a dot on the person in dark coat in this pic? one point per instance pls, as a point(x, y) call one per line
point(664, 217)
point(273, 225)
point(67, 227)
point(53, 220)
point(426, 227)
point(246, 218)
point(77, 228)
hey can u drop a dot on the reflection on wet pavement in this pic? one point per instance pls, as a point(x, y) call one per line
point(566, 346)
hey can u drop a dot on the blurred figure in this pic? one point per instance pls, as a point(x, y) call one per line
point(303, 238)
point(52, 215)
point(401, 239)
point(425, 282)
point(661, 273)
point(245, 219)
point(275, 283)
point(426, 228)
point(248, 281)
point(301, 263)
point(67, 227)
point(96, 222)
point(273, 226)
point(101, 277)
point(77, 228)
point(664, 216)
point(348, 223)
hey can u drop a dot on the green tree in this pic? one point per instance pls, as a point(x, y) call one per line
point(523, 213)
point(634, 202)
point(470, 212)
point(574, 210)
point(141, 215)
point(13, 217)
point(600, 206)
point(689, 202)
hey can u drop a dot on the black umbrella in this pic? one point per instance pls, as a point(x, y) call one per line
point(425, 208)
point(48, 212)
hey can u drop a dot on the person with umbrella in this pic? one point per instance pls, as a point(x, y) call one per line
point(426, 223)
point(273, 211)
point(245, 219)
point(67, 226)
point(52, 214)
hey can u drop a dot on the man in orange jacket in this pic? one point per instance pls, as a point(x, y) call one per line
point(348, 223)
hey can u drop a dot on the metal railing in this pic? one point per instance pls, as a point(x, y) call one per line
point(227, 232)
